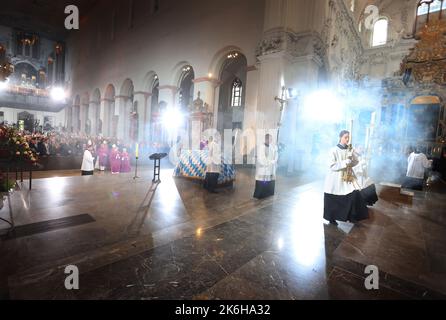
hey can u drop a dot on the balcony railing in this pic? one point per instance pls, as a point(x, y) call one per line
point(29, 98)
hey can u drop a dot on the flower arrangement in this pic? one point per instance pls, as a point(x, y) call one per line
point(14, 147)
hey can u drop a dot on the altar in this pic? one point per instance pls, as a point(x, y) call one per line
point(192, 164)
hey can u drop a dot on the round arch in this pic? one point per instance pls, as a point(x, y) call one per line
point(127, 88)
point(232, 76)
point(178, 72)
point(220, 57)
point(110, 123)
point(109, 92)
point(149, 81)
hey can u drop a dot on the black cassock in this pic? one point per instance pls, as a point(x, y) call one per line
point(350, 207)
point(264, 189)
point(369, 195)
point(342, 201)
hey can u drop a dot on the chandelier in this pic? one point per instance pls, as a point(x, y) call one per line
point(427, 60)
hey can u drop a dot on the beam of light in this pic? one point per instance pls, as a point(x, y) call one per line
point(172, 119)
point(58, 94)
point(4, 84)
point(323, 106)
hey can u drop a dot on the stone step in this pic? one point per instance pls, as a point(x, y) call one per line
point(393, 192)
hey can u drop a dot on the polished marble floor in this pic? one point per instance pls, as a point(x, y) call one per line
point(175, 241)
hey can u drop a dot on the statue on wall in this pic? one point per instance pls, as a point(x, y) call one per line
point(198, 105)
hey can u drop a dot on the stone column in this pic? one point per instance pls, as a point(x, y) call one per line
point(83, 116)
point(92, 117)
point(167, 94)
point(142, 99)
point(271, 80)
point(146, 131)
point(251, 96)
point(120, 106)
point(103, 117)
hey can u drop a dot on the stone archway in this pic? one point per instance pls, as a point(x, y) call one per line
point(231, 99)
point(108, 127)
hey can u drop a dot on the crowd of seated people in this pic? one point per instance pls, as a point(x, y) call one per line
point(62, 146)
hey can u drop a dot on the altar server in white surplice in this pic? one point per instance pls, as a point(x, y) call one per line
point(342, 198)
point(267, 156)
point(212, 166)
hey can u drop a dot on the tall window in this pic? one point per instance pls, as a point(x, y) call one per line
point(426, 6)
point(352, 5)
point(236, 93)
point(379, 36)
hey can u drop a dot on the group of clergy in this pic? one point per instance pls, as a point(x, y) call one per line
point(105, 158)
point(118, 161)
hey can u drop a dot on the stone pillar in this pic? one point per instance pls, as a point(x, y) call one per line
point(168, 94)
point(271, 80)
point(251, 96)
point(92, 117)
point(83, 116)
point(120, 106)
point(147, 124)
point(102, 116)
point(142, 99)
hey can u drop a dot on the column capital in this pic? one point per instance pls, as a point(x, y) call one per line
point(173, 88)
point(121, 97)
point(213, 81)
point(251, 68)
point(146, 94)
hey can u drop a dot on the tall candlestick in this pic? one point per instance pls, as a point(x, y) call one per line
point(351, 132)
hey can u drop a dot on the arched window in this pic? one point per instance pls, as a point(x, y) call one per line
point(379, 35)
point(430, 6)
point(236, 93)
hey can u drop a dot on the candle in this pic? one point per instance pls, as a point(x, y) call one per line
point(351, 132)
point(137, 150)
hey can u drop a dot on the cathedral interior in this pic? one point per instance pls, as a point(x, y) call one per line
point(149, 81)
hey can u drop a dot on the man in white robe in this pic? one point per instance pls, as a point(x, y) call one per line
point(212, 166)
point(417, 163)
point(267, 156)
point(342, 199)
point(87, 167)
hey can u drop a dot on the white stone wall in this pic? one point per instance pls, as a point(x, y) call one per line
point(119, 43)
point(384, 61)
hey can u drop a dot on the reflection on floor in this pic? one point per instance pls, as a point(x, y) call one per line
point(175, 241)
